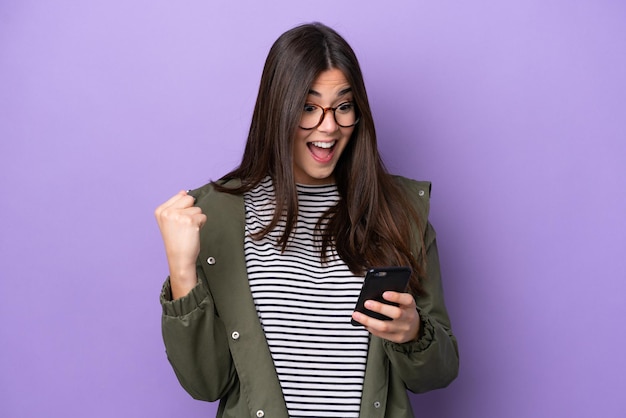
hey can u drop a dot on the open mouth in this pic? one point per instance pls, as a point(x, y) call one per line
point(322, 151)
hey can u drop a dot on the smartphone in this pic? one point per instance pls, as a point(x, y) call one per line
point(377, 281)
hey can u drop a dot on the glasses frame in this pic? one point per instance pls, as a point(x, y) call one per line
point(334, 109)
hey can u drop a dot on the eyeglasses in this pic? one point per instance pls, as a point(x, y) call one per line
point(313, 115)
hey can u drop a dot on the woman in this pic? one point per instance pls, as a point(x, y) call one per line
point(267, 263)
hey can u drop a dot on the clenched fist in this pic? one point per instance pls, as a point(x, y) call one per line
point(180, 223)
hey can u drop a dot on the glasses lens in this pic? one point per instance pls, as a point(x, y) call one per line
point(311, 116)
point(345, 114)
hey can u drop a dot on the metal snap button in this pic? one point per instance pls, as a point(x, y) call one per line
point(421, 193)
point(260, 413)
point(210, 260)
point(235, 335)
point(376, 404)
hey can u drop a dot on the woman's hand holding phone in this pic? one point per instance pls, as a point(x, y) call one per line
point(180, 223)
point(384, 308)
point(404, 325)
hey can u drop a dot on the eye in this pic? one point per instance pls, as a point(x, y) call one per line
point(309, 108)
point(345, 107)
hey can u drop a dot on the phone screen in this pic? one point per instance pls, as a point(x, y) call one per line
point(377, 281)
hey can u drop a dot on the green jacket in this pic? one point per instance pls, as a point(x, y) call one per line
point(216, 345)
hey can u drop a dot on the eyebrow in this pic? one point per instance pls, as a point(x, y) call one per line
point(341, 93)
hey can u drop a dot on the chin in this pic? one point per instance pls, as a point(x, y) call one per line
point(317, 178)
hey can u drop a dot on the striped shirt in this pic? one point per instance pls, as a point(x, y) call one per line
point(305, 307)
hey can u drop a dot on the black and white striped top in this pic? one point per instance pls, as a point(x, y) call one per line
point(305, 308)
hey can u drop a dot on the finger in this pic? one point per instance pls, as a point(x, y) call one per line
point(401, 330)
point(383, 329)
point(200, 219)
point(402, 299)
point(191, 216)
point(180, 200)
point(367, 321)
point(184, 201)
point(391, 311)
point(190, 211)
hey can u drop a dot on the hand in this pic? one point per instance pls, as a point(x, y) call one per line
point(180, 223)
point(405, 321)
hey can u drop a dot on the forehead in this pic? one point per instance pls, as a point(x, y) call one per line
point(329, 82)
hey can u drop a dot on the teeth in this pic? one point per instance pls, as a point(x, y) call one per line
point(324, 144)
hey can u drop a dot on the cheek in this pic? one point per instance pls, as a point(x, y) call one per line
point(301, 137)
point(347, 134)
point(299, 145)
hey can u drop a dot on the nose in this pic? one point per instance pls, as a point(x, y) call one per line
point(329, 124)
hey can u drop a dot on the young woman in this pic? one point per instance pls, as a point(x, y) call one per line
point(266, 264)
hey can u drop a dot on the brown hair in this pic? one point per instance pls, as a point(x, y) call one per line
point(371, 225)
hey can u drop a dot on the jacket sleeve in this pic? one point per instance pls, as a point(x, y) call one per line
point(431, 362)
point(196, 343)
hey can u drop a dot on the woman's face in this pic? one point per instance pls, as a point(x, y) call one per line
point(316, 151)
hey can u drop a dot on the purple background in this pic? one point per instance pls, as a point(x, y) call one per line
point(515, 110)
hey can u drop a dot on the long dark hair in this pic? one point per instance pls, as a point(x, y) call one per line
point(373, 223)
